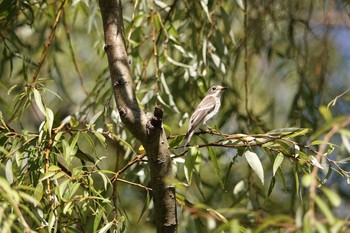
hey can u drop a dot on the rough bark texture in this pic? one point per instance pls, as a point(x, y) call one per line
point(149, 132)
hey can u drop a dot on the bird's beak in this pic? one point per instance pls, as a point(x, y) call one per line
point(224, 88)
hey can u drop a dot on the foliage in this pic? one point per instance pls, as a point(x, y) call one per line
point(68, 164)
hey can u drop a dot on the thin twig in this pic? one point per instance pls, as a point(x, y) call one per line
point(137, 159)
point(73, 56)
point(321, 150)
point(149, 56)
point(49, 41)
point(246, 69)
point(155, 53)
point(134, 184)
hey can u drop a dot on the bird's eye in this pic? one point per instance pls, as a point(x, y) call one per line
point(214, 88)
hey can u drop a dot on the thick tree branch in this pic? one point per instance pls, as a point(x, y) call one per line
point(130, 113)
point(149, 132)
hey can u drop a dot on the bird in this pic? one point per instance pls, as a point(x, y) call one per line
point(207, 109)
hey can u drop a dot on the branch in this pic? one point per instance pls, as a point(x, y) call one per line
point(49, 41)
point(314, 172)
point(132, 116)
point(149, 133)
point(278, 141)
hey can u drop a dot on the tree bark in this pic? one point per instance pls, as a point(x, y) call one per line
point(148, 131)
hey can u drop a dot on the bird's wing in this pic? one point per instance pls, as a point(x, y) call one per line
point(205, 106)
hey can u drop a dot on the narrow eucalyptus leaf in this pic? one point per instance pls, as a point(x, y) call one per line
point(95, 117)
point(255, 163)
point(214, 159)
point(39, 191)
point(98, 217)
point(105, 228)
point(49, 120)
point(327, 212)
point(332, 196)
point(277, 163)
point(38, 101)
point(9, 172)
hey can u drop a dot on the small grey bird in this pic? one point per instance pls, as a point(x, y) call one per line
point(206, 110)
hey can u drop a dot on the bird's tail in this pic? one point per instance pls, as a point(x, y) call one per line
point(188, 138)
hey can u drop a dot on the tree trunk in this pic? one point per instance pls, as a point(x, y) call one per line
point(148, 131)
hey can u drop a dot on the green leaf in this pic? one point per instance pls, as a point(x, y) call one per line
point(229, 167)
point(286, 148)
point(271, 186)
point(105, 228)
point(89, 139)
point(240, 4)
point(214, 159)
point(332, 196)
point(58, 175)
point(57, 138)
point(73, 122)
point(346, 142)
point(326, 113)
point(100, 137)
point(85, 157)
point(315, 162)
point(53, 168)
point(297, 182)
point(29, 198)
point(145, 206)
point(95, 117)
point(62, 189)
point(255, 163)
point(176, 141)
point(167, 90)
point(11, 89)
point(204, 4)
point(39, 191)
point(9, 172)
point(204, 49)
point(98, 218)
point(68, 208)
point(49, 120)
point(7, 192)
point(46, 176)
point(300, 132)
point(176, 63)
point(328, 174)
point(277, 163)
point(327, 126)
point(325, 210)
point(52, 221)
point(216, 215)
point(320, 142)
point(74, 141)
point(33, 213)
point(71, 190)
point(190, 161)
point(289, 132)
point(104, 178)
point(306, 180)
point(321, 228)
point(307, 228)
point(239, 187)
point(116, 137)
point(38, 101)
point(342, 131)
point(66, 152)
point(218, 62)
